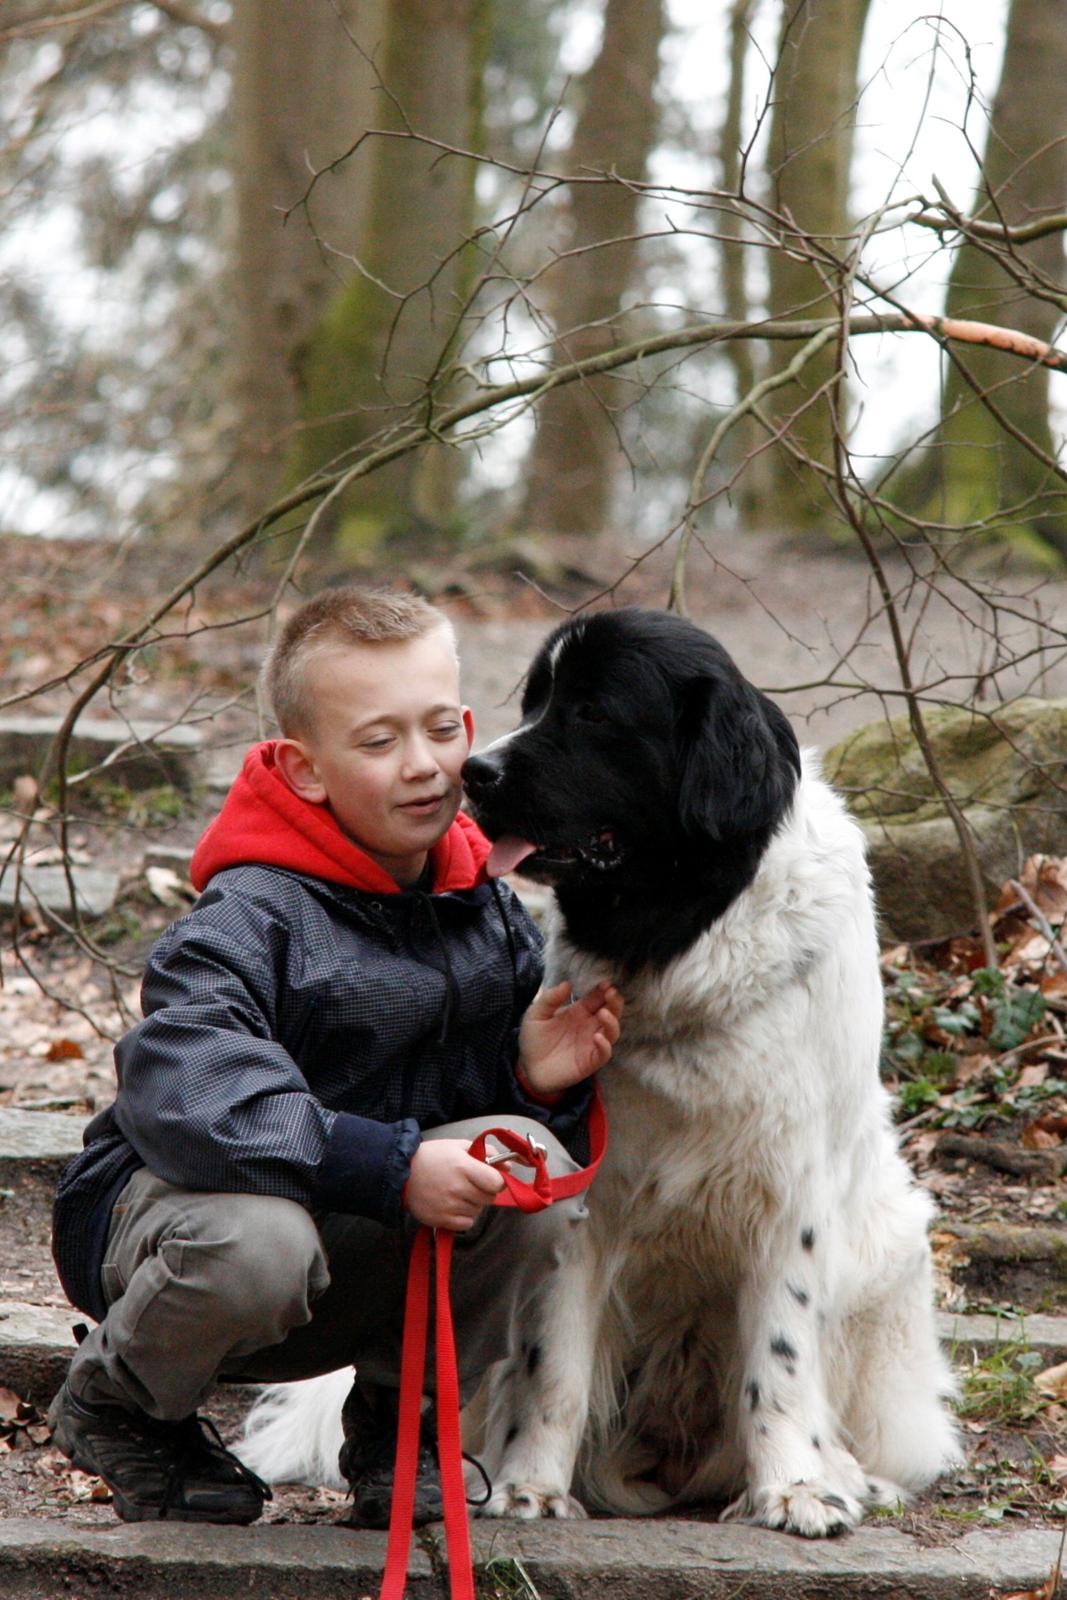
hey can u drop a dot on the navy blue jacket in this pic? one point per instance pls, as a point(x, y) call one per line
point(297, 1036)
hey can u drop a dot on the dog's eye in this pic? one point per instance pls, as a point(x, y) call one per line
point(586, 712)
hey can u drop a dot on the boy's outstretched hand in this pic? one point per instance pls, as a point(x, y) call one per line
point(563, 1041)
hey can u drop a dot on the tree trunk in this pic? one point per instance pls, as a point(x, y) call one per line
point(372, 362)
point(977, 472)
point(576, 449)
point(302, 94)
point(810, 161)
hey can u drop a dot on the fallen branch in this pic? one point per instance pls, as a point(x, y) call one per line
point(1040, 1166)
point(1000, 1241)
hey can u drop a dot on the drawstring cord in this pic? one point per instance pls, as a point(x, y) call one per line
point(509, 935)
point(424, 902)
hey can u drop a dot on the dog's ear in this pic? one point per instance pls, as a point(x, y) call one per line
point(739, 761)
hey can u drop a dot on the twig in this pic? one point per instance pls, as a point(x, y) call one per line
point(751, 400)
point(1042, 921)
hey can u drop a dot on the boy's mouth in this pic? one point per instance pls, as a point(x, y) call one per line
point(425, 805)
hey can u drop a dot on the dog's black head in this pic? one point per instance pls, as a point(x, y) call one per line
point(644, 782)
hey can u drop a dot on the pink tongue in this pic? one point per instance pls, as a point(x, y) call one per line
point(506, 854)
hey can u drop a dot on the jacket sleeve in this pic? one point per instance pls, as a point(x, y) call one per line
point(210, 1098)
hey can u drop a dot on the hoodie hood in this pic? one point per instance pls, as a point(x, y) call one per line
point(262, 821)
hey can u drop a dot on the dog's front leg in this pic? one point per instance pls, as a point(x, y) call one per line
point(799, 1476)
point(539, 1396)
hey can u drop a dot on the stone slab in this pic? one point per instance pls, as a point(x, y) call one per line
point(175, 857)
point(674, 1560)
point(47, 890)
point(39, 1135)
point(146, 754)
point(626, 1560)
point(984, 1332)
point(34, 1146)
point(46, 1560)
point(36, 1344)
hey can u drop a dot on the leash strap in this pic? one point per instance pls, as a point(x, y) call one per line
point(536, 1195)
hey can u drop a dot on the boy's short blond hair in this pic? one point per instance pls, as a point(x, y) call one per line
point(348, 615)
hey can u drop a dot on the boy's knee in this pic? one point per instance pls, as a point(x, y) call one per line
point(267, 1258)
point(559, 1159)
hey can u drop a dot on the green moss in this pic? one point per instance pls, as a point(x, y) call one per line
point(1010, 757)
point(134, 808)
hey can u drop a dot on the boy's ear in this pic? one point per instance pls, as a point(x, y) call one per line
point(297, 766)
point(468, 722)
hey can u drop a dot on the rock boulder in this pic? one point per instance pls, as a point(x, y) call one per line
point(1006, 766)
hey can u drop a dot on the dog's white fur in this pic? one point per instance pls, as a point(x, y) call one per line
point(748, 1310)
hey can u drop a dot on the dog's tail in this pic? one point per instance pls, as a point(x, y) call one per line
point(293, 1432)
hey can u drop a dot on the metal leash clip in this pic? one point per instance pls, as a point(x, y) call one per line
point(499, 1157)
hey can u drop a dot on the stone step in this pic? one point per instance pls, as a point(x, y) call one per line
point(36, 1342)
point(45, 889)
point(139, 755)
point(664, 1559)
point(960, 1332)
point(34, 1145)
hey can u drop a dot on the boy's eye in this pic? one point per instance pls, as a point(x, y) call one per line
point(445, 730)
point(382, 742)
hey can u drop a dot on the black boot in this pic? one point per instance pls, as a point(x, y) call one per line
point(174, 1471)
point(369, 1419)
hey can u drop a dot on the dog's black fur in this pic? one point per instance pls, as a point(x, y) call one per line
point(701, 768)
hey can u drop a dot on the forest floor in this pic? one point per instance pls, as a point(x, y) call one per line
point(969, 1060)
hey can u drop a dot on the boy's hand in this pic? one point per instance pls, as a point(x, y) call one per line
point(448, 1187)
point(561, 1043)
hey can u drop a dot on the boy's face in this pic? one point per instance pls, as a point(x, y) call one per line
point(386, 745)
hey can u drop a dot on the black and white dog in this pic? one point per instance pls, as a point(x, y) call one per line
point(747, 1313)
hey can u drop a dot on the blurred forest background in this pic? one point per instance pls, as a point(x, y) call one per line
point(257, 248)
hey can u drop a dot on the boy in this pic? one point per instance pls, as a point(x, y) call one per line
point(345, 1008)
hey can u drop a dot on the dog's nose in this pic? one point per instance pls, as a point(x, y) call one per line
point(482, 772)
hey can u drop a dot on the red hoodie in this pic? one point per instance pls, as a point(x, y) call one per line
point(263, 821)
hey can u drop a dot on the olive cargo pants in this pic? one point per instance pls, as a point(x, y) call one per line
point(203, 1285)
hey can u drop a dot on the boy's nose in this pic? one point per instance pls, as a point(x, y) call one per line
point(421, 758)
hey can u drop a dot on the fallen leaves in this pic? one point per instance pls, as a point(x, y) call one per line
point(64, 1050)
point(85, 1487)
point(20, 1422)
point(1053, 1381)
point(969, 1046)
point(168, 888)
point(1047, 1590)
point(1045, 1132)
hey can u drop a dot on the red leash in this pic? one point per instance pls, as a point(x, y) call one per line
point(543, 1191)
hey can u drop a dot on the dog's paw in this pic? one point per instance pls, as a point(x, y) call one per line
point(528, 1502)
point(813, 1510)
